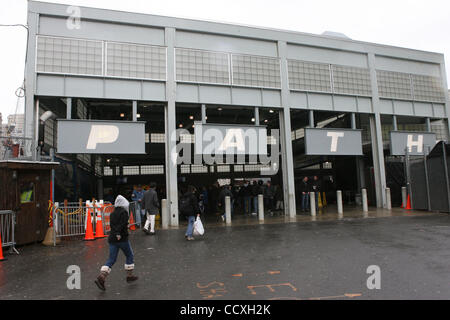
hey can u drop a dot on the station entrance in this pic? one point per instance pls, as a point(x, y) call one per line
point(104, 176)
point(325, 174)
point(240, 175)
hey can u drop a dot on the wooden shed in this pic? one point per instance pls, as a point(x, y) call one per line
point(25, 189)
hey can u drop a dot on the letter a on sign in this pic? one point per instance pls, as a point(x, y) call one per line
point(233, 134)
point(102, 134)
point(334, 139)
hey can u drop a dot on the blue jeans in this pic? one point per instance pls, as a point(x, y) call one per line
point(114, 251)
point(305, 201)
point(138, 214)
point(190, 227)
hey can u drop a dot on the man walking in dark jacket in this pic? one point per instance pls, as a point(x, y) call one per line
point(150, 203)
point(118, 239)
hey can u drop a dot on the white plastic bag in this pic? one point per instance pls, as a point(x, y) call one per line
point(198, 227)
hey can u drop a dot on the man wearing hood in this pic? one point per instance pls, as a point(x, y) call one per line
point(118, 239)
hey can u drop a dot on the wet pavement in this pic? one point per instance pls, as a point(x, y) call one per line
point(303, 259)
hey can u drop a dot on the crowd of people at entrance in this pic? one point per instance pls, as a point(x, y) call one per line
point(243, 198)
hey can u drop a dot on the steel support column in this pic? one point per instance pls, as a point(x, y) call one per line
point(428, 124)
point(203, 114)
point(69, 108)
point(170, 129)
point(394, 123)
point(134, 110)
point(287, 158)
point(30, 120)
point(376, 137)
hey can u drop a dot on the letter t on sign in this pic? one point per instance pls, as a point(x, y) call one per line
point(334, 139)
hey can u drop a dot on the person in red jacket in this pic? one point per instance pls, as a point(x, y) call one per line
point(118, 240)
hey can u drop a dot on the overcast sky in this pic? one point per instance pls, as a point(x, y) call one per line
point(416, 24)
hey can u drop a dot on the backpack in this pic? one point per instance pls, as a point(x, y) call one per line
point(184, 205)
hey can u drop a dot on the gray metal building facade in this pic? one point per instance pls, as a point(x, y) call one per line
point(208, 63)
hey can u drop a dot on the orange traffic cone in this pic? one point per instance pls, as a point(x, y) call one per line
point(408, 205)
point(99, 226)
point(1, 250)
point(132, 225)
point(89, 231)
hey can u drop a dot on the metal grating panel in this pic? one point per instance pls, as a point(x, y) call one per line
point(135, 61)
point(309, 76)
point(152, 169)
point(256, 71)
point(202, 66)
point(394, 84)
point(107, 171)
point(428, 88)
point(131, 170)
point(351, 80)
point(197, 168)
point(69, 56)
point(185, 168)
point(158, 137)
point(223, 168)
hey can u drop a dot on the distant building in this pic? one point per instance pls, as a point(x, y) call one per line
point(18, 121)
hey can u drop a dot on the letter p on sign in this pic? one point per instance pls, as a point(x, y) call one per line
point(102, 134)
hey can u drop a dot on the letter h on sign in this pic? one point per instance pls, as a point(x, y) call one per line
point(418, 144)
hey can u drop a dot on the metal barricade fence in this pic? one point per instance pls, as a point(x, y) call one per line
point(7, 223)
point(70, 220)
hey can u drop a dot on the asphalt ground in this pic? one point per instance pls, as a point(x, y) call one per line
point(324, 260)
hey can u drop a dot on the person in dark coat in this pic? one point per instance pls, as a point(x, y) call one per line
point(150, 204)
point(269, 197)
point(304, 192)
point(279, 198)
point(118, 240)
point(188, 207)
point(226, 192)
point(214, 198)
point(316, 187)
point(247, 196)
point(255, 191)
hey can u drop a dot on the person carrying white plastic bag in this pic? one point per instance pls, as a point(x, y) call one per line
point(198, 227)
point(188, 207)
